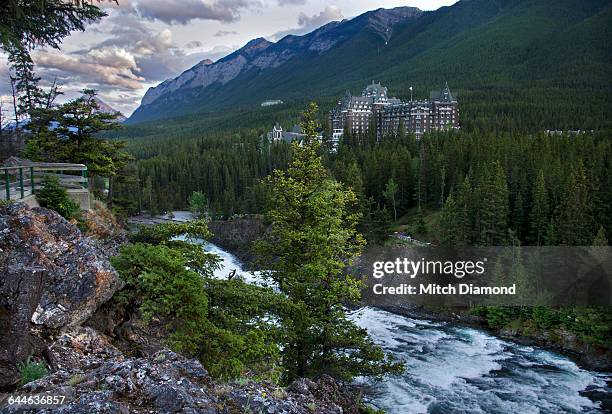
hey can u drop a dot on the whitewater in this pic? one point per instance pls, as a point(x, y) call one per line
point(454, 369)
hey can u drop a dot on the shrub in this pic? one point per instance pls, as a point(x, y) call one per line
point(223, 323)
point(163, 233)
point(54, 197)
point(197, 204)
point(31, 371)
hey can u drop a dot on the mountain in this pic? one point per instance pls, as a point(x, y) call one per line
point(107, 109)
point(501, 56)
point(260, 55)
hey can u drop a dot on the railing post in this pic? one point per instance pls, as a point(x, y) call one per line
point(7, 185)
point(86, 182)
point(32, 179)
point(21, 182)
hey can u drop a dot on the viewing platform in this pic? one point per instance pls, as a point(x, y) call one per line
point(20, 181)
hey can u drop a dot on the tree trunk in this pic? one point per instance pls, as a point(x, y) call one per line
point(109, 196)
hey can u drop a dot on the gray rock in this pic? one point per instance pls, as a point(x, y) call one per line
point(50, 275)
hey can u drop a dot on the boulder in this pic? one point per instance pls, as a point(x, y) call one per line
point(167, 382)
point(51, 277)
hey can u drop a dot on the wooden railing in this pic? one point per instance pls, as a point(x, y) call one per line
point(21, 181)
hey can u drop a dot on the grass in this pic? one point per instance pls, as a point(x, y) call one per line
point(408, 223)
point(76, 379)
point(31, 371)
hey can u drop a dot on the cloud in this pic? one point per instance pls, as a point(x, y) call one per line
point(111, 66)
point(222, 33)
point(155, 54)
point(129, 56)
point(330, 13)
point(291, 2)
point(307, 24)
point(184, 11)
point(194, 44)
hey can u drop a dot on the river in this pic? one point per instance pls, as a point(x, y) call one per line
point(454, 369)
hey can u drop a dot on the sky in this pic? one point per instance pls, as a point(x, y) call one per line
point(143, 42)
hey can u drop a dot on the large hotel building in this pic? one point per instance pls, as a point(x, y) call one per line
point(374, 108)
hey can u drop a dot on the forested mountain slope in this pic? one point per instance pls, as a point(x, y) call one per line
point(532, 63)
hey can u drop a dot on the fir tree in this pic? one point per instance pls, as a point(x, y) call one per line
point(312, 238)
point(449, 222)
point(494, 210)
point(600, 238)
point(465, 211)
point(390, 195)
point(574, 223)
point(539, 217)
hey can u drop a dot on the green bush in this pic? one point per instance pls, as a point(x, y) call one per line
point(54, 197)
point(31, 371)
point(197, 204)
point(221, 322)
point(163, 233)
point(592, 325)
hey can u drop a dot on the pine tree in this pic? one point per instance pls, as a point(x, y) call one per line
point(600, 238)
point(450, 226)
point(518, 216)
point(494, 210)
point(74, 139)
point(574, 223)
point(390, 195)
point(421, 226)
point(465, 212)
point(312, 238)
point(539, 217)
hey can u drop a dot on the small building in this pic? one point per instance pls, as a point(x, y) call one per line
point(294, 134)
point(271, 102)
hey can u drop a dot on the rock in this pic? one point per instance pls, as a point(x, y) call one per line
point(302, 386)
point(51, 276)
point(237, 235)
point(168, 383)
point(104, 228)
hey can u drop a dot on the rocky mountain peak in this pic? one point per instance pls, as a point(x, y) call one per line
point(383, 21)
point(260, 54)
point(255, 45)
point(107, 109)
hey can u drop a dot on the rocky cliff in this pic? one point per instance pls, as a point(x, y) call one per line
point(52, 277)
point(95, 377)
point(55, 286)
point(237, 235)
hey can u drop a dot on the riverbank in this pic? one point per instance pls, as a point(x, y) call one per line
point(585, 357)
point(455, 368)
point(237, 235)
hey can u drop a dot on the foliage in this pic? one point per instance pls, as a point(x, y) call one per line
point(592, 325)
point(73, 139)
point(600, 238)
point(31, 371)
point(539, 217)
point(29, 23)
point(162, 233)
point(574, 220)
point(311, 240)
point(55, 197)
point(389, 194)
point(197, 203)
point(223, 323)
point(32, 23)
